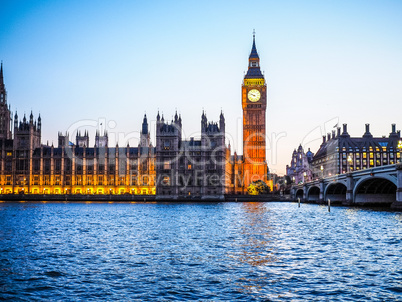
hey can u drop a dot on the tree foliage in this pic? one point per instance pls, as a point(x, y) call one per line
point(258, 187)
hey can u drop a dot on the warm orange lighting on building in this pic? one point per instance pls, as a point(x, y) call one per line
point(254, 104)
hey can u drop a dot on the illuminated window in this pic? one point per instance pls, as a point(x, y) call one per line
point(189, 167)
point(364, 155)
point(371, 163)
point(9, 153)
point(166, 165)
point(166, 180)
point(100, 180)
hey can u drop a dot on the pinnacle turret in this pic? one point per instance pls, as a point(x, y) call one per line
point(3, 94)
point(145, 125)
point(254, 53)
point(253, 71)
point(1, 75)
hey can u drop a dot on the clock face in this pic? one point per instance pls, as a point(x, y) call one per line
point(254, 95)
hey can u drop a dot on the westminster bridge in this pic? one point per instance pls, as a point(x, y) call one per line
point(375, 186)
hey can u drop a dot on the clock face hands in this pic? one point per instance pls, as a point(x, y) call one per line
point(253, 95)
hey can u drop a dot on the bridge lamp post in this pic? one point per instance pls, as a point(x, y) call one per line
point(322, 171)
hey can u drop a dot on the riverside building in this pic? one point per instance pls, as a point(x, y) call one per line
point(340, 153)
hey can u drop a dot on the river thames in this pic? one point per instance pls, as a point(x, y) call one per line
point(198, 251)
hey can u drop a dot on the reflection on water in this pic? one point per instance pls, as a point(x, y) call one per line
point(257, 246)
point(198, 251)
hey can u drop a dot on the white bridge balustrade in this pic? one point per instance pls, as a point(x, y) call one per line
point(376, 186)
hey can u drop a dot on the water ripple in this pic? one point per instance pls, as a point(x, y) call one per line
point(203, 252)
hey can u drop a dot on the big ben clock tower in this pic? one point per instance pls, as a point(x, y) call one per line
point(254, 104)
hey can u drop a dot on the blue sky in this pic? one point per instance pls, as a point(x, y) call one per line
point(80, 63)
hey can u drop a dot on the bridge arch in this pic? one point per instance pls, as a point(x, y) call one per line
point(299, 194)
point(375, 190)
point(313, 194)
point(336, 192)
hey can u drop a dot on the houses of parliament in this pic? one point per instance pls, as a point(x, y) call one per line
point(173, 168)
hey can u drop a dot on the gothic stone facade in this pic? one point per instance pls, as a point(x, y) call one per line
point(174, 168)
point(191, 167)
point(27, 166)
point(254, 105)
